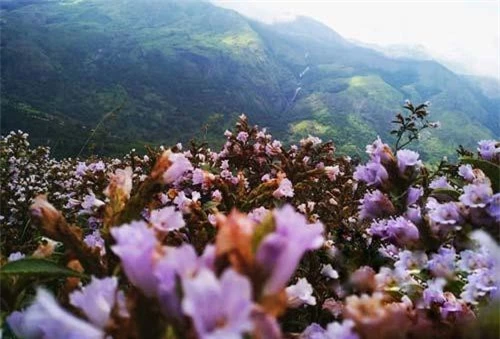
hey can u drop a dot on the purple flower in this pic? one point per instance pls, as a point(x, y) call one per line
point(488, 149)
point(477, 195)
point(473, 260)
point(280, 252)
point(258, 214)
point(94, 240)
point(313, 331)
point(46, 319)
point(217, 196)
point(378, 228)
point(81, 168)
point(285, 189)
point(401, 231)
point(451, 305)
point(440, 182)
point(493, 207)
point(414, 214)
point(479, 284)
point(198, 177)
point(242, 136)
point(445, 214)
point(373, 173)
point(407, 158)
point(179, 165)
point(466, 172)
point(180, 261)
point(442, 264)
point(182, 202)
point(379, 151)
point(97, 300)
point(433, 294)
point(135, 245)
point(334, 330)
point(177, 262)
point(89, 202)
point(218, 308)
point(413, 194)
point(411, 261)
point(374, 205)
point(300, 294)
point(15, 256)
point(97, 166)
point(166, 219)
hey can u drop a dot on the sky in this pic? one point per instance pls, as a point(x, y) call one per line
point(463, 32)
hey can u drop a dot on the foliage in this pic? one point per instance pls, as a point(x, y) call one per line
point(173, 65)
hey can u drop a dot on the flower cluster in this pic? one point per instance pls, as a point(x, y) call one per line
point(256, 240)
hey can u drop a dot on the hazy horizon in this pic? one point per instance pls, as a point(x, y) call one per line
point(464, 34)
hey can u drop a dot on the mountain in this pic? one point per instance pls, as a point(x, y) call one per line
point(123, 73)
point(399, 51)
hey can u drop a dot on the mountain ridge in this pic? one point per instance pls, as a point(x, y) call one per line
point(189, 68)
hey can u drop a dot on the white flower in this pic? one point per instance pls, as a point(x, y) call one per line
point(332, 172)
point(329, 272)
point(300, 294)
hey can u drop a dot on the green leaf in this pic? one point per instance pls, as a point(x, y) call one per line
point(445, 194)
point(37, 267)
point(209, 205)
point(264, 228)
point(491, 170)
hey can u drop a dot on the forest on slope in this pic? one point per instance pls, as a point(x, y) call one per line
point(156, 72)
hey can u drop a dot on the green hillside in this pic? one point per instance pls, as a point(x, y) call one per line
point(162, 71)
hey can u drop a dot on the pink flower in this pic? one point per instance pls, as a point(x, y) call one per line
point(179, 165)
point(166, 219)
point(120, 181)
point(332, 172)
point(285, 189)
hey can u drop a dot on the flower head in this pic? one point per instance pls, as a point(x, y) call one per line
point(374, 205)
point(466, 172)
point(218, 308)
point(332, 172)
point(46, 319)
point(95, 240)
point(179, 165)
point(120, 183)
point(476, 195)
point(379, 151)
point(433, 294)
point(488, 149)
point(442, 264)
point(135, 245)
point(166, 219)
point(15, 256)
point(97, 300)
point(301, 293)
point(373, 173)
point(285, 189)
point(407, 159)
point(440, 182)
point(280, 251)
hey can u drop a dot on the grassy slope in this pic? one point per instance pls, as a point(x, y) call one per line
point(183, 69)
